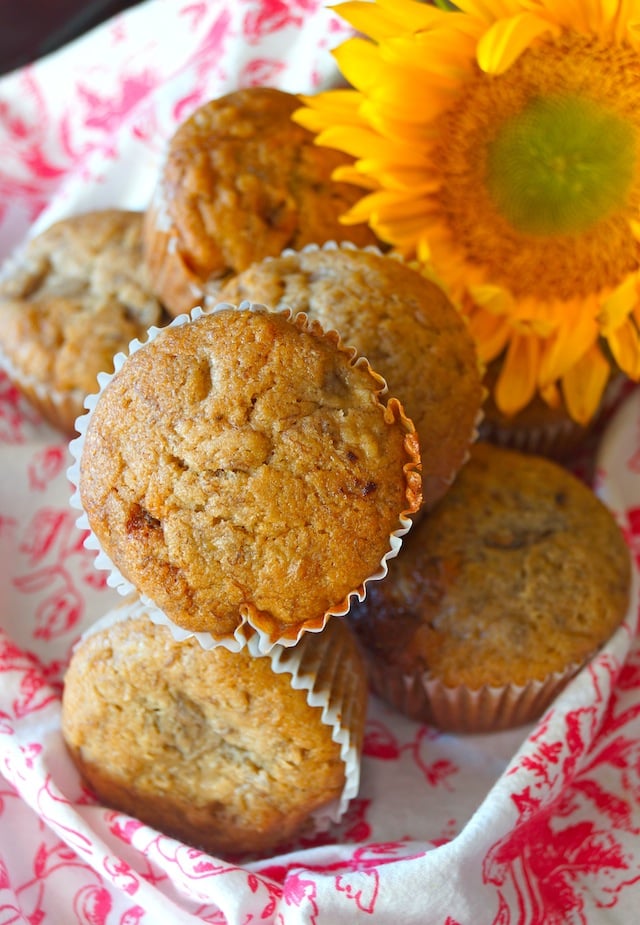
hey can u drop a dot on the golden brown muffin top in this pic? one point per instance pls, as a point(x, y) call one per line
point(211, 746)
point(405, 326)
point(243, 466)
point(241, 181)
point(519, 571)
point(75, 297)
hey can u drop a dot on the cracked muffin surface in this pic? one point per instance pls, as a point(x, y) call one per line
point(402, 323)
point(76, 296)
point(242, 467)
point(520, 571)
point(241, 181)
point(212, 747)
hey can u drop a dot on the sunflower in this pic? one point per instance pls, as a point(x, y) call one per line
point(499, 145)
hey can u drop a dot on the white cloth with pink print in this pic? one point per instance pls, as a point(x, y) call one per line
point(538, 826)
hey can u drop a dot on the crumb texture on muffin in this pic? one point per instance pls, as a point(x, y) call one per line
point(241, 181)
point(211, 747)
point(519, 572)
point(74, 297)
point(402, 323)
point(242, 464)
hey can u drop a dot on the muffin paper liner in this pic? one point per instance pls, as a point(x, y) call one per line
point(461, 709)
point(315, 668)
point(59, 408)
point(288, 635)
point(172, 276)
point(555, 438)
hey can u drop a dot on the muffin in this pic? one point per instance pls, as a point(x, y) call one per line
point(229, 752)
point(241, 468)
point(402, 323)
point(240, 181)
point(498, 597)
point(74, 297)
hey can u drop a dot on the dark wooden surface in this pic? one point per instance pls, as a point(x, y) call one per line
point(30, 29)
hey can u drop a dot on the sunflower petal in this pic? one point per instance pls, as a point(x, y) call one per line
point(551, 395)
point(359, 61)
point(618, 306)
point(494, 299)
point(386, 204)
point(516, 384)
point(584, 384)
point(489, 332)
point(368, 18)
point(333, 107)
point(624, 344)
point(505, 41)
point(569, 342)
point(379, 20)
point(412, 15)
point(364, 142)
point(401, 179)
point(349, 173)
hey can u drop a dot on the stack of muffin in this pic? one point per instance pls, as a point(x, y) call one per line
point(246, 477)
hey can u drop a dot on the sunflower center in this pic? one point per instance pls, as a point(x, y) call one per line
point(540, 170)
point(560, 165)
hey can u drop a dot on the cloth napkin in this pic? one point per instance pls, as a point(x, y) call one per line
point(535, 826)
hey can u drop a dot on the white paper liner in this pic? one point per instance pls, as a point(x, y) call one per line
point(337, 701)
point(123, 586)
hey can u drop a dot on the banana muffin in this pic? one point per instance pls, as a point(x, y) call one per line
point(71, 299)
point(402, 323)
point(240, 181)
point(241, 468)
point(225, 751)
point(498, 597)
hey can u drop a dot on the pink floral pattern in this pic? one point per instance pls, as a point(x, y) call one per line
point(537, 826)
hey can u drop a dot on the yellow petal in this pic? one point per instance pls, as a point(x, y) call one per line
point(403, 131)
point(359, 61)
point(401, 179)
point(404, 226)
point(378, 20)
point(349, 173)
point(494, 299)
point(490, 333)
point(516, 383)
point(507, 39)
point(330, 108)
point(343, 105)
point(583, 385)
point(447, 55)
point(365, 143)
point(617, 307)
point(368, 18)
point(387, 204)
point(569, 342)
point(551, 395)
point(486, 12)
point(624, 344)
